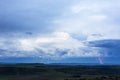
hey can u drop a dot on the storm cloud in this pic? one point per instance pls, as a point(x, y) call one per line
point(59, 29)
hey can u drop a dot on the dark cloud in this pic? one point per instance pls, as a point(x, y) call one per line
point(111, 46)
point(27, 19)
point(29, 15)
point(29, 33)
point(109, 43)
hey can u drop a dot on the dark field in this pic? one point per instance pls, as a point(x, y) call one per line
point(58, 72)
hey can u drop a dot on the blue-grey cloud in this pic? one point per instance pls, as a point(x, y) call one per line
point(112, 47)
point(29, 15)
point(59, 28)
point(76, 17)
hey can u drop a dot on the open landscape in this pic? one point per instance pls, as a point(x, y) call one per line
point(59, 39)
point(58, 72)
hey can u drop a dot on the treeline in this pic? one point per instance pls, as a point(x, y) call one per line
point(74, 71)
point(96, 78)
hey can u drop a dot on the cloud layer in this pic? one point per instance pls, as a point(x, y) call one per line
point(59, 29)
point(55, 45)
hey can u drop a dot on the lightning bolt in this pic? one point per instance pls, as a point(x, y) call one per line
point(100, 60)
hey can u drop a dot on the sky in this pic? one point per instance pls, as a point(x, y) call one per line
point(60, 31)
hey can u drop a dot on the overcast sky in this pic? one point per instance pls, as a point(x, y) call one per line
point(60, 29)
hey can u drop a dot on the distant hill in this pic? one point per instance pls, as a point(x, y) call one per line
point(75, 64)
